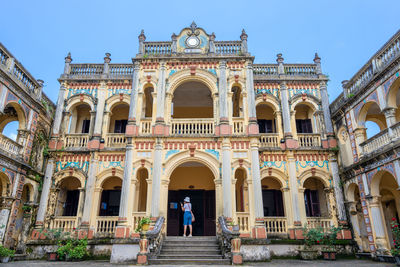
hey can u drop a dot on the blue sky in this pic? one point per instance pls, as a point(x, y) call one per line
point(344, 33)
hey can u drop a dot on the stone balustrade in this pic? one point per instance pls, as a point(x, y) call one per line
point(145, 126)
point(309, 140)
point(64, 223)
point(238, 126)
point(242, 219)
point(388, 53)
point(380, 140)
point(316, 222)
point(10, 146)
point(157, 48)
point(115, 140)
point(265, 69)
point(228, 47)
point(192, 127)
point(106, 224)
point(121, 69)
point(86, 69)
point(3, 57)
point(300, 69)
point(276, 225)
point(269, 140)
point(76, 140)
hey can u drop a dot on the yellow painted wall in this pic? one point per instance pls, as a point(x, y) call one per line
point(82, 113)
point(120, 112)
point(265, 112)
point(112, 183)
point(192, 112)
point(270, 183)
point(199, 177)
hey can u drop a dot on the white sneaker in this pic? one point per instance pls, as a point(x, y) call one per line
point(184, 236)
point(190, 235)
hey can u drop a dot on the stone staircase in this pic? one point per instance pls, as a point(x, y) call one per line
point(196, 250)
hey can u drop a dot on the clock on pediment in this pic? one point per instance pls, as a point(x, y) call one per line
point(192, 41)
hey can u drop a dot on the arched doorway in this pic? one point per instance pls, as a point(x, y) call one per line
point(196, 181)
point(315, 198)
point(68, 197)
point(272, 197)
point(110, 196)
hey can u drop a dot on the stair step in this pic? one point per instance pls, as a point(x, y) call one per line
point(180, 238)
point(190, 246)
point(190, 261)
point(193, 243)
point(189, 250)
point(186, 256)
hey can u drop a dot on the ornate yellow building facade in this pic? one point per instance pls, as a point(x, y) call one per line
point(370, 160)
point(192, 117)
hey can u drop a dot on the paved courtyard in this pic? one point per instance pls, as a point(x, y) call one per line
point(298, 263)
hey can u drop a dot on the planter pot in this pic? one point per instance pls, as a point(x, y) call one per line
point(235, 228)
point(52, 256)
point(397, 258)
point(308, 254)
point(5, 259)
point(329, 255)
point(145, 227)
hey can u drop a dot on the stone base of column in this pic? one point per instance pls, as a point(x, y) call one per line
point(381, 245)
point(132, 129)
point(85, 233)
point(259, 231)
point(142, 259)
point(291, 143)
point(122, 231)
point(223, 129)
point(296, 233)
point(237, 258)
point(160, 129)
point(53, 144)
point(94, 143)
point(253, 129)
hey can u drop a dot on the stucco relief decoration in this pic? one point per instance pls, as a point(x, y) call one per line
point(213, 152)
point(303, 89)
point(81, 165)
point(82, 89)
point(267, 88)
point(192, 40)
point(118, 89)
point(387, 84)
point(276, 164)
point(312, 164)
point(171, 152)
point(110, 164)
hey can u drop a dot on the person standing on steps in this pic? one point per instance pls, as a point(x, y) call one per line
point(187, 215)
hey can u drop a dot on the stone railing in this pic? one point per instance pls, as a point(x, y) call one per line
point(25, 79)
point(238, 126)
point(380, 139)
point(10, 146)
point(389, 52)
point(150, 242)
point(228, 47)
point(145, 126)
point(86, 69)
point(76, 140)
point(64, 223)
point(192, 127)
point(157, 48)
point(309, 140)
point(229, 241)
point(276, 225)
point(115, 140)
point(106, 224)
point(243, 219)
point(121, 69)
point(316, 222)
point(3, 56)
point(300, 69)
point(265, 69)
point(269, 140)
point(136, 217)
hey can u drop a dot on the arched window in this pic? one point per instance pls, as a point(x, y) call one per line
point(266, 118)
point(237, 103)
point(68, 197)
point(242, 201)
point(119, 118)
point(110, 197)
point(148, 102)
point(315, 198)
point(305, 120)
point(272, 197)
point(142, 176)
point(80, 119)
point(192, 100)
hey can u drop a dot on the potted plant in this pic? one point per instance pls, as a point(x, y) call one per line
point(143, 224)
point(5, 254)
point(312, 237)
point(235, 227)
point(72, 249)
point(26, 209)
point(53, 234)
point(329, 251)
point(395, 251)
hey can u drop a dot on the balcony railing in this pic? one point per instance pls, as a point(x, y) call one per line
point(76, 140)
point(106, 224)
point(276, 225)
point(315, 222)
point(380, 139)
point(192, 127)
point(115, 140)
point(136, 217)
point(269, 140)
point(64, 223)
point(10, 146)
point(228, 47)
point(238, 127)
point(145, 126)
point(157, 48)
point(265, 69)
point(309, 140)
point(243, 219)
point(121, 69)
point(86, 69)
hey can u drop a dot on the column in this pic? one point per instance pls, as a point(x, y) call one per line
point(45, 193)
point(223, 103)
point(360, 136)
point(90, 184)
point(161, 93)
point(325, 108)
point(287, 129)
point(390, 116)
point(255, 172)
point(131, 127)
point(378, 223)
point(396, 165)
point(338, 189)
point(126, 184)
point(226, 178)
point(294, 191)
point(251, 100)
point(59, 110)
point(354, 222)
point(287, 205)
point(156, 184)
point(81, 203)
point(101, 98)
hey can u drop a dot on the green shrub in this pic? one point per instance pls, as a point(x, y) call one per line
point(144, 220)
point(396, 237)
point(313, 236)
point(74, 249)
point(5, 252)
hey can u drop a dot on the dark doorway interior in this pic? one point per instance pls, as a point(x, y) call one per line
point(109, 205)
point(71, 203)
point(203, 206)
point(273, 203)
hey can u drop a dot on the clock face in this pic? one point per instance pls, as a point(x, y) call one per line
point(192, 41)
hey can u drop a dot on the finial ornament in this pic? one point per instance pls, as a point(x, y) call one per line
point(212, 37)
point(142, 37)
point(68, 58)
point(317, 59)
point(193, 29)
point(107, 58)
point(279, 58)
point(40, 82)
point(244, 35)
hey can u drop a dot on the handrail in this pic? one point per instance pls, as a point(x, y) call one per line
point(150, 241)
point(229, 240)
